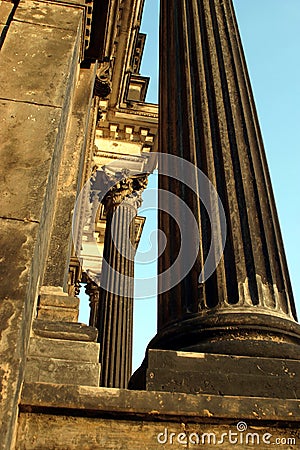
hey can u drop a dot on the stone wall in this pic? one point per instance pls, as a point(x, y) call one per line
point(41, 47)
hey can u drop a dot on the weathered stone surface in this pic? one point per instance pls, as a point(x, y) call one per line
point(40, 74)
point(32, 137)
point(58, 314)
point(39, 64)
point(17, 245)
point(167, 359)
point(25, 167)
point(64, 349)
point(49, 14)
point(61, 238)
point(90, 400)
point(71, 2)
point(63, 301)
point(65, 330)
point(77, 139)
point(192, 381)
point(67, 433)
point(58, 307)
point(221, 374)
point(5, 11)
point(54, 370)
point(18, 293)
point(146, 420)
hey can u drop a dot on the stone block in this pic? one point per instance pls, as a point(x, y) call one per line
point(64, 349)
point(59, 251)
point(58, 314)
point(50, 14)
point(19, 275)
point(65, 330)
point(5, 12)
point(39, 67)
point(69, 177)
point(158, 405)
point(24, 170)
point(49, 432)
point(58, 308)
point(17, 241)
point(3, 30)
point(39, 73)
point(222, 374)
point(105, 419)
point(60, 371)
point(70, 2)
point(61, 301)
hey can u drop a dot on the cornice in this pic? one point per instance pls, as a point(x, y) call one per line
point(87, 7)
point(149, 110)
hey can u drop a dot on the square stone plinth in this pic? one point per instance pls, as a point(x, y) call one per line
point(202, 373)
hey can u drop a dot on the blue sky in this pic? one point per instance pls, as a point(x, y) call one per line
point(270, 35)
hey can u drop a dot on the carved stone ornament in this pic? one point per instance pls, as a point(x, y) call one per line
point(92, 290)
point(102, 87)
point(128, 189)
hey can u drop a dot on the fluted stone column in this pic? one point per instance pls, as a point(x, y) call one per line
point(208, 117)
point(115, 313)
point(92, 290)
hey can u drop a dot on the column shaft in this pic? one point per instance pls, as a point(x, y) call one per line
point(208, 117)
point(116, 301)
point(115, 311)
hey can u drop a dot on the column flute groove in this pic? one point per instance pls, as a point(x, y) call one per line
point(208, 117)
point(115, 312)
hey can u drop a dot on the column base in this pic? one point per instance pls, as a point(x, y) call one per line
point(235, 335)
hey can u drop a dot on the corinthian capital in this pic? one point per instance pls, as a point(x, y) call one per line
point(129, 190)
